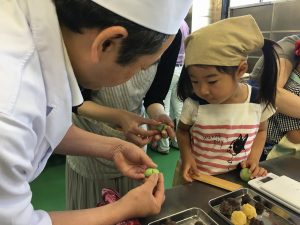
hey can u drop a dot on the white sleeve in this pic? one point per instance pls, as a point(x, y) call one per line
point(16, 153)
point(266, 112)
point(189, 112)
point(18, 140)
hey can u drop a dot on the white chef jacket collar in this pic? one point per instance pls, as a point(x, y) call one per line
point(61, 88)
point(54, 58)
point(75, 90)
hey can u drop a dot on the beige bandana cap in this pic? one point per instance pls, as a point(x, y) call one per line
point(224, 43)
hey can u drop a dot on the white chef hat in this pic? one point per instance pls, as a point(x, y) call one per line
point(164, 16)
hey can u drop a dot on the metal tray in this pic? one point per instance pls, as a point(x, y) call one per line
point(187, 217)
point(273, 213)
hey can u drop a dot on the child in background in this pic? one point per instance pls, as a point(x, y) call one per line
point(173, 105)
point(281, 125)
point(223, 121)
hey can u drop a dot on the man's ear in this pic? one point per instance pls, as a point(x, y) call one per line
point(242, 69)
point(107, 40)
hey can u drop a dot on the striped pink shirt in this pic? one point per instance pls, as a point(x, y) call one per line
point(222, 134)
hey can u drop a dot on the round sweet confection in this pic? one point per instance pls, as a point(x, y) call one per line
point(255, 221)
point(246, 199)
point(249, 211)
point(229, 205)
point(150, 171)
point(259, 208)
point(245, 174)
point(238, 218)
point(226, 208)
point(235, 203)
point(257, 198)
point(161, 127)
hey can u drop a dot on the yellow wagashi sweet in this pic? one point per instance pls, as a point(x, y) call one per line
point(238, 218)
point(249, 211)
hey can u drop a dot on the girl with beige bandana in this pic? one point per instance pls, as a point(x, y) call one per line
point(223, 122)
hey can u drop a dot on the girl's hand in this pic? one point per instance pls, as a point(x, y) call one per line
point(130, 124)
point(256, 170)
point(189, 167)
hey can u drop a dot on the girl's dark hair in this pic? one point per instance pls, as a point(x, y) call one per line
point(184, 86)
point(268, 79)
point(79, 14)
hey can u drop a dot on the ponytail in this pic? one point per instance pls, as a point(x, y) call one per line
point(268, 79)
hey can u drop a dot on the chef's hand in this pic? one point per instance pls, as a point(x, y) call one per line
point(147, 198)
point(130, 124)
point(131, 160)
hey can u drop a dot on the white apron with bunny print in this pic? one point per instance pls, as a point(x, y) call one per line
point(222, 134)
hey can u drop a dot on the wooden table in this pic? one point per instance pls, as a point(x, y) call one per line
point(198, 194)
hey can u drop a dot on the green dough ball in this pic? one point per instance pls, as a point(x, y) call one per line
point(161, 127)
point(150, 171)
point(245, 174)
point(155, 171)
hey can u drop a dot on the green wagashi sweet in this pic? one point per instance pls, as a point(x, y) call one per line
point(150, 171)
point(161, 127)
point(245, 174)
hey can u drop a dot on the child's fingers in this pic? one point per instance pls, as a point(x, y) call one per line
point(156, 137)
point(265, 172)
point(195, 170)
point(144, 133)
point(244, 164)
point(252, 167)
point(150, 122)
point(262, 172)
point(258, 172)
point(254, 173)
point(164, 134)
point(186, 175)
point(171, 132)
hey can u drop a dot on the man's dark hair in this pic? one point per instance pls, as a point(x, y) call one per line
point(79, 14)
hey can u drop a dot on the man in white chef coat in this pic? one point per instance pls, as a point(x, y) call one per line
point(46, 49)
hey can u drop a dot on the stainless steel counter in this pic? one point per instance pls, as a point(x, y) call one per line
point(198, 194)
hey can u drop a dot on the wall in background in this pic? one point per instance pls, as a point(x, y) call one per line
point(275, 19)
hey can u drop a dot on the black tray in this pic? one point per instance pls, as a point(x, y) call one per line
point(273, 213)
point(187, 217)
